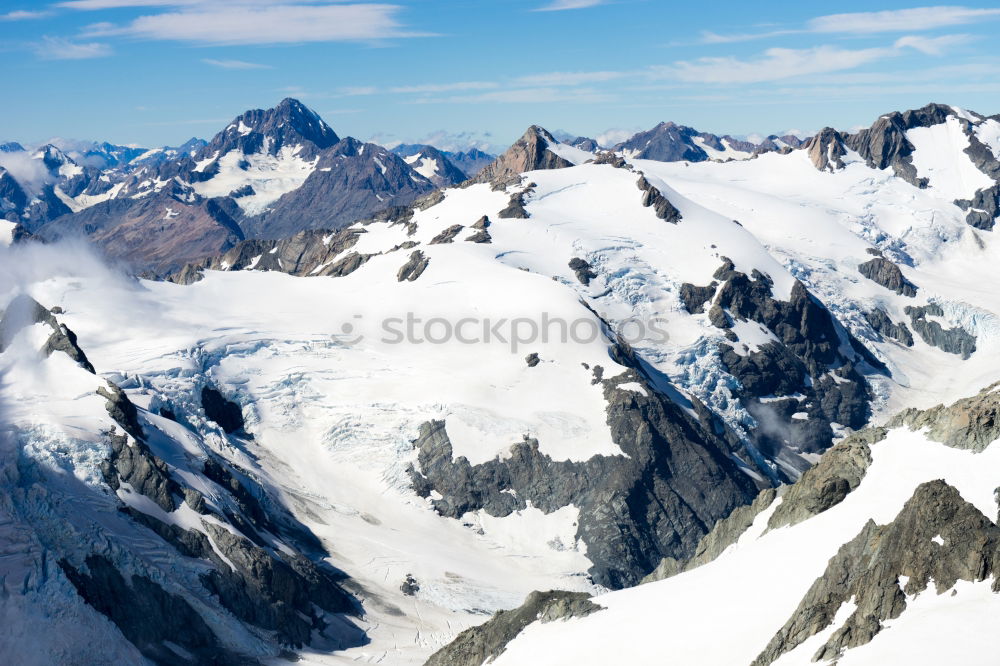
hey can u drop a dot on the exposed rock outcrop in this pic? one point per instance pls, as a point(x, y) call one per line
point(447, 235)
point(583, 270)
point(677, 480)
point(23, 311)
point(529, 153)
point(694, 297)
point(653, 198)
point(808, 360)
point(827, 150)
point(937, 539)
point(884, 326)
point(414, 267)
point(226, 413)
point(725, 533)
point(487, 641)
point(150, 617)
point(954, 340)
point(971, 423)
point(882, 271)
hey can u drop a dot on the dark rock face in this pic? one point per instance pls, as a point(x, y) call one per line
point(953, 340)
point(868, 570)
point(225, 412)
point(340, 191)
point(984, 208)
point(653, 198)
point(147, 615)
point(826, 484)
point(447, 235)
point(805, 361)
point(24, 311)
point(884, 144)
point(694, 297)
point(481, 236)
point(140, 231)
point(414, 267)
point(290, 123)
point(827, 150)
point(725, 533)
point(882, 271)
point(484, 643)
point(515, 208)
point(442, 173)
point(666, 142)
point(529, 153)
point(884, 326)
point(971, 423)
point(677, 480)
point(12, 196)
point(532, 359)
point(410, 586)
point(305, 253)
point(135, 465)
point(584, 271)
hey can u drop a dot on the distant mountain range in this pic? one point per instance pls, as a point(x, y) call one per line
point(272, 173)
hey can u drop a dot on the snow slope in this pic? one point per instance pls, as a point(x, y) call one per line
point(747, 593)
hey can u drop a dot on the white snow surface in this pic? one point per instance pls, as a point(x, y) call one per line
point(939, 157)
point(6, 232)
point(334, 403)
point(270, 176)
point(752, 589)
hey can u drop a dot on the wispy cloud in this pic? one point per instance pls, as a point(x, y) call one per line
point(258, 23)
point(234, 64)
point(357, 91)
point(444, 87)
point(900, 20)
point(561, 5)
point(24, 15)
point(524, 96)
point(776, 64)
point(868, 23)
point(57, 48)
point(933, 45)
point(567, 78)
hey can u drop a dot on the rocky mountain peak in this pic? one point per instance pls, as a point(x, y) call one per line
point(529, 153)
point(289, 123)
point(11, 147)
point(827, 149)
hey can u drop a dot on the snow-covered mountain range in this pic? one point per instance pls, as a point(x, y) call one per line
point(576, 370)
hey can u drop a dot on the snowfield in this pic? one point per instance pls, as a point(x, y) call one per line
point(756, 585)
point(336, 375)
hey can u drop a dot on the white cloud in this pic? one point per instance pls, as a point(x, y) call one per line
point(234, 64)
point(30, 173)
point(445, 87)
point(357, 91)
point(567, 78)
point(57, 48)
point(560, 5)
point(932, 45)
point(779, 63)
point(253, 23)
point(23, 15)
point(615, 135)
point(524, 96)
point(708, 37)
point(869, 23)
point(900, 20)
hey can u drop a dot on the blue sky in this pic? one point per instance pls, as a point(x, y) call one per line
point(156, 72)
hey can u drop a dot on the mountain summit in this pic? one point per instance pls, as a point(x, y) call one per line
point(536, 149)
